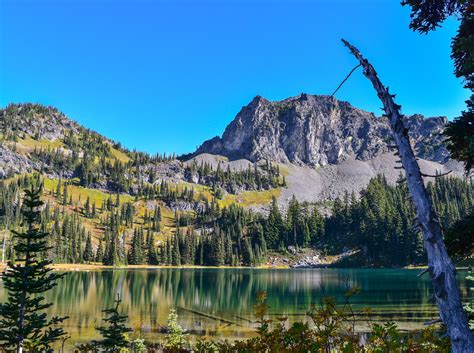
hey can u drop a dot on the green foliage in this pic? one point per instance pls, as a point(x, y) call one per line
point(138, 345)
point(332, 330)
point(459, 237)
point(257, 177)
point(469, 307)
point(382, 221)
point(115, 334)
point(426, 16)
point(460, 134)
point(176, 339)
point(23, 322)
point(88, 252)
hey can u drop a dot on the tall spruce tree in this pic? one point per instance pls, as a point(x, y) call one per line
point(152, 256)
point(23, 322)
point(88, 252)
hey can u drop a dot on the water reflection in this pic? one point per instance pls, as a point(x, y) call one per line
point(202, 296)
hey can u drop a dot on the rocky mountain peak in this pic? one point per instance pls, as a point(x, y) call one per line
point(36, 120)
point(317, 130)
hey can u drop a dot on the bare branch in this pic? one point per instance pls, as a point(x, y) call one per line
point(423, 272)
point(435, 176)
point(347, 77)
point(432, 322)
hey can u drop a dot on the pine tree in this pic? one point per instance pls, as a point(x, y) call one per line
point(152, 256)
point(156, 219)
point(111, 254)
point(87, 210)
point(58, 189)
point(88, 255)
point(22, 320)
point(247, 253)
point(65, 195)
point(176, 254)
point(115, 333)
point(136, 256)
point(274, 226)
point(99, 255)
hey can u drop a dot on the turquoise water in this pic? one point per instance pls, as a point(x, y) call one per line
point(220, 301)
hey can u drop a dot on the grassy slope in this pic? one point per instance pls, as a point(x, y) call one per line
point(80, 194)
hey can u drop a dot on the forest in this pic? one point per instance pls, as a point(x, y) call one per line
point(381, 217)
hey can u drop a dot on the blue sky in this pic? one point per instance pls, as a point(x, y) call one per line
point(163, 76)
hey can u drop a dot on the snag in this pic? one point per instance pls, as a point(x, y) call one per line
point(440, 266)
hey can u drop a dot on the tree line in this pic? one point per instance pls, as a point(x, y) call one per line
point(379, 222)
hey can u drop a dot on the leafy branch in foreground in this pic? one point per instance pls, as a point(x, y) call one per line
point(332, 331)
point(23, 323)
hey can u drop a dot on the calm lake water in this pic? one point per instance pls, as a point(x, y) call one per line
point(220, 301)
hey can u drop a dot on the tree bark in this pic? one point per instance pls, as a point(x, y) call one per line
point(441, 269)
point(4, 245)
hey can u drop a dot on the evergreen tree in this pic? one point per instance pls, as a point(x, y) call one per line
point(22, 320)
point(88, 252)
point(99, 255)
point(274, 226)
point(176, 254)
point(152, 256)
point(65, 195)
point(87, 208)
point(114, 335)
point(136, 254)
point(156, 219)
point(247, 253)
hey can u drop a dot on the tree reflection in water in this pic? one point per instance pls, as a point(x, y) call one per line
point(230, 294)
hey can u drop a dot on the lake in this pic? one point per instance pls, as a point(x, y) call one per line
point(219, 302)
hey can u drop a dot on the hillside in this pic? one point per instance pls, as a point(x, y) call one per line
point(326, 146)
point(302, 157)
point(322, 147)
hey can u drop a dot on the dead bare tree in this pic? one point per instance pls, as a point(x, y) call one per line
point(440, 267)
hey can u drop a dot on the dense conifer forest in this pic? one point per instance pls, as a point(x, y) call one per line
point(379, 223)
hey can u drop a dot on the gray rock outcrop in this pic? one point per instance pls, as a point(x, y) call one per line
point(318, 130)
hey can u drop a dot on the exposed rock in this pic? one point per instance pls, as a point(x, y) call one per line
point(13, 163)
point(38, 121)
point(316, 131)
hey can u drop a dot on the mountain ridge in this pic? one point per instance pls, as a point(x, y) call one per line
point(318, 130)
point(323, 146)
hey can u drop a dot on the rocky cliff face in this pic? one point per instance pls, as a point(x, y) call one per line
point(316, 131)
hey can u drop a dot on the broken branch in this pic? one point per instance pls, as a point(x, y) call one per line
point(347, 77)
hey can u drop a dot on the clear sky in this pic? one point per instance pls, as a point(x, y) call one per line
point(163, 76)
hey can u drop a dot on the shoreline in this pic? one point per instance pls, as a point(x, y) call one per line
point(100, 267)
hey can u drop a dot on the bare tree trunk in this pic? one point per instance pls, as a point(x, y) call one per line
point(440, 266)
point(4, 245)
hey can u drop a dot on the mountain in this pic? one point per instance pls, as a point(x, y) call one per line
point(114, 206)
point(327, 146)
point(317, 131)
point(320, 146)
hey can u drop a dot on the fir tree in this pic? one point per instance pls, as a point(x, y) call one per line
point(88, 255)
point(175, 253)
point(87, 210)
point(99, 255)
point(23, 321)
point(65, 195)
point(152, 256)
point(114, 335)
